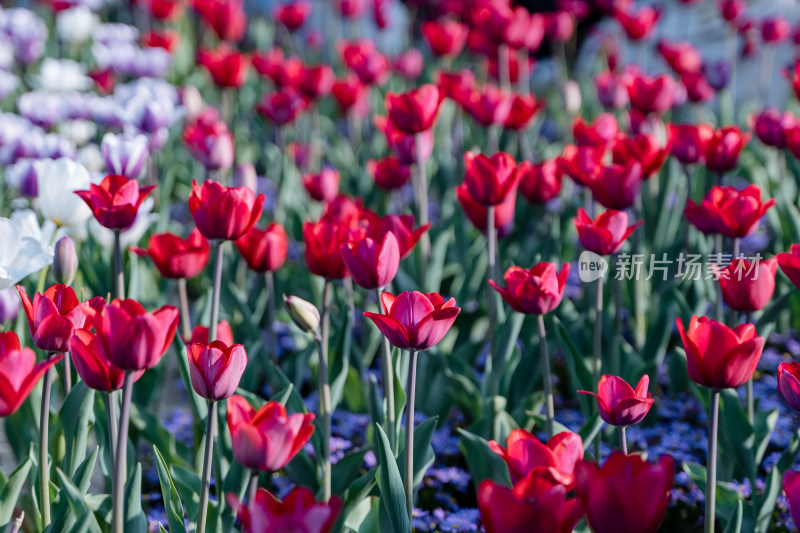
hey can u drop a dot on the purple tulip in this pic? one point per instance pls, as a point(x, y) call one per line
point(125, 155)
point(9, 304)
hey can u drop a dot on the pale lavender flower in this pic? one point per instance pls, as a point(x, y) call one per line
point(125, 155)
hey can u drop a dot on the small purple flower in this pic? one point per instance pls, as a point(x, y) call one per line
point(9, 304)
point(22, 176)
point(28, 33)
point(125, 155)
point(718, 73)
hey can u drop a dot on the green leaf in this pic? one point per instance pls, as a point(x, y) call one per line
point(506, 341)
point(483, 463)
point(727, 495)
point(433, 276)
point(579, 372)
point(590, 430)
point(773, 486)
point(199, 405)
point(173, 506)
point(77, 502)
point(423, 451)
point(346, 470)
point(283, 396)
point(135, 520)
point(11, 489)
point(64, 519)
point(735, 522)
point(76, 415)
point(393, 496)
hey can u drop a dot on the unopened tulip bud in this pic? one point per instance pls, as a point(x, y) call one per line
point(65, 261)
point(245, 176)
point(572, 96)
point(303, 313)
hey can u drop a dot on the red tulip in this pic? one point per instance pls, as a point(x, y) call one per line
point(132, 338)
point(723, 149)
point(224, 212)
point(791, 486)
point(527, 457)
point(618, 403)
point(347, 212)
point(445, 37)
point(793, 76)
point(19, 372)
point(748, 287)
point(366, 62)
point(409, 148)
point(282, 106)
point(651, 95)
point(643, 149)
point(264, 250)
point(402, 226)
point(104, 79)
point(115, 202)
point(728, 211)
point(292, 14)
point(605, 234)
point(488, 106)
point(228, 67)
point(282, 72)
point(789, 383)
point(790, 264)
point(490, 180)
point(315, 82)
point(323, 241)
point(166, 10)
point(350, 93)
point(414, 111)
point(266, 440)
point(626, 495)
point(323, 186)
point(689, 141)
point(770, 124)
point(536, 291)
point(456, 85)
point(681, 57)
point(389, 173)
point(410, 64)
point(560, 26)
point(169, 40)
point(639, 25)
point(510, 61)
point(731, 9)
point(371, 263)
point(611, 90)
point(717, 356)
point(226, 17)
point(775, 30)
point(540, 182)
point(581, 163)
point(617, 186)
point(600, 133)
point(177, 258)
point(477, 212)
point(216, 369)
point(413, 320)
point(209, 141)
point(93, 364)
point(53, 316)
point(350, 9)
point(200, 334)
point(537, 508)
point(524, 108)
point(298, 512)
point(697, 87)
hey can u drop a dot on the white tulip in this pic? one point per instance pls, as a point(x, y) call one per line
point(59, 75)
point(57, 181)
point(75, 25)
point(21, 253)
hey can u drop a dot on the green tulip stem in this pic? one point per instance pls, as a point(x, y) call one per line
point(388, 384)
point(111, 417)
point(491, 274)
point(420, 187)
point(205, 482)
point(44, 439)
point(183, 301)
point(409, 451)
point(623, 440)
point(718, 310)
point(269, 285)
point(119, 273)
point(711, 472)
point(597, 338)
point(220, 255)
point(325, 389)
point(544, 354)
point(750, 399)
point(120, 459)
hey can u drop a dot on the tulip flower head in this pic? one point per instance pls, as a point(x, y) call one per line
point(723, 149)
point(534, 508)
point(477, 213)
point(372, 264)
point(617, 186)
point(264, 250)
point(627, 495)
point(746, 286)
point(791, 486)
point(209, 141)
point(322, 186)
point(115, 202)
point(53, 316)
point(267, 439)
point(619, 404)
point(414, 111)
point(606, 234)
point(216, 369)
point(389, 173)
point(402, 226)
point(527, 457)
point(790, 264)
point(540, 182)
point(298, 511)
point(57, 184)
point(446, 37)
point(177, 258)
point(292, 14)
point(224, 213)
point(125, 155)
point(536, 291)
point(728, 211)
point(19, 372)
point(413, 320)
point(651, 95)
point(323, 242)
point(490, 180)
point(689, 141)
point(93, 364)
point(717, 356)
point(200, 334)
point(65, 261)
point(789, 383)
